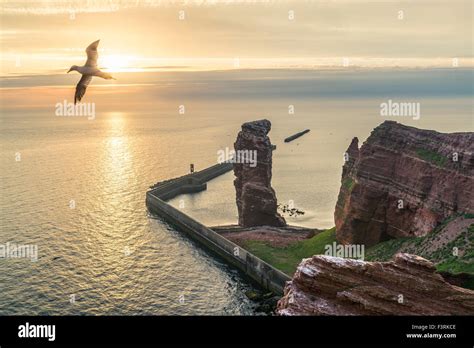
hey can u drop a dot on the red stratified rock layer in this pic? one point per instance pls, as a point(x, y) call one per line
point(256, 199)
point(403, 182)
point(408, 285)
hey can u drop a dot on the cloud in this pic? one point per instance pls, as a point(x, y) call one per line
point(259, 33)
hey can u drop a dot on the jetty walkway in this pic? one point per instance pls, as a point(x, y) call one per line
point(258, 270)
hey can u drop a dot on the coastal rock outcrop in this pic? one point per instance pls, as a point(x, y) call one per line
point(403, 182)
point(407, 285)
point(255, 197)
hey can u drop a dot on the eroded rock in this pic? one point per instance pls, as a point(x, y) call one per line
point(407, 285)
point(255, 197)
point(403, 182)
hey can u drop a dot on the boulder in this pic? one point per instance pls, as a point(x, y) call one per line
point(407, 285)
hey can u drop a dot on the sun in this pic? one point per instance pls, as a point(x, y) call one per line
point(115, 63)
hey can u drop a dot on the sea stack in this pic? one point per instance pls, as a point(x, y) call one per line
point(255, 197)
point(403, 182)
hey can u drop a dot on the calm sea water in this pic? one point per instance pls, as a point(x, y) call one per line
point(78, 192)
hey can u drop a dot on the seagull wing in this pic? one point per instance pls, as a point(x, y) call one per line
point(92, 54)
point(81, 87)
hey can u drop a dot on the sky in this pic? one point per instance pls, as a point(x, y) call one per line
point(47, 37)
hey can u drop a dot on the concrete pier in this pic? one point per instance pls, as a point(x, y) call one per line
point(261, 272)
point(190, 183)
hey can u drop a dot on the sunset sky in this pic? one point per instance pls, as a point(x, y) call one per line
point(49, 36)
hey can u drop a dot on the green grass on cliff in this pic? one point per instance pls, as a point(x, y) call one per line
point(348, 183)
point(288, 258)
point(432, 157)
point(435, 247)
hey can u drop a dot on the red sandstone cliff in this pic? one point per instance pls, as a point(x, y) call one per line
point(402, 182)
point(255, 197)
point(408, 285)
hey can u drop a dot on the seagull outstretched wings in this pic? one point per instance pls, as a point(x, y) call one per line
point(89, 70)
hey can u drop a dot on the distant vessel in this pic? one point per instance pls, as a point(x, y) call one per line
point(297, 135)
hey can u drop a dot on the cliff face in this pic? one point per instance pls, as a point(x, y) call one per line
point(256, 199)
point(402, 182)
point(408, 285)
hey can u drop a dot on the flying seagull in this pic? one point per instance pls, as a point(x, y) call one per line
point(89, 70)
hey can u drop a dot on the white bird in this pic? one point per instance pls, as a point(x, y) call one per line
point(89, 70)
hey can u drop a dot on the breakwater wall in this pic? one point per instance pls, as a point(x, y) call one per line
point(261, 272)
point(190, 183)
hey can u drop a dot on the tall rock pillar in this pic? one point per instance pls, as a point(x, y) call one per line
point(255, 197)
